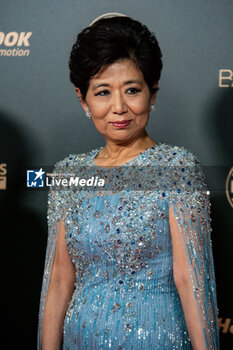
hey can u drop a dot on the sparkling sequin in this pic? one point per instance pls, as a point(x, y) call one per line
point(116, 307)
point(141, 286)
point(120, 244)
point(96, 214)
point(128, 327)
point(107, 228)
point(153, 235)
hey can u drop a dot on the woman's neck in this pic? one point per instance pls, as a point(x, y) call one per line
point(121, 153)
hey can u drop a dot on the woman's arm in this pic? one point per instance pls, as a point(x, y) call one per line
point(184, 287)
point(59, 293)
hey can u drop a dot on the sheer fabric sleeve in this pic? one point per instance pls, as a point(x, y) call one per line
point(55, 213)
point(191, 206)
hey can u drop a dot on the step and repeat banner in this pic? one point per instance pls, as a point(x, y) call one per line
point(42, 121)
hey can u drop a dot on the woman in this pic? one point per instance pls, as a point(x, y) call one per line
point(129, 267)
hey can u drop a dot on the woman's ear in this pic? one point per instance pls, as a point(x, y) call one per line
point(82, 101)
point(153, 96)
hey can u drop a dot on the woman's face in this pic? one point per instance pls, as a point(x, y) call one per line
point(119, 93)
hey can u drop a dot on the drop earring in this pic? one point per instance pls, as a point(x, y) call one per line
point(151, 107)
point(88, 114)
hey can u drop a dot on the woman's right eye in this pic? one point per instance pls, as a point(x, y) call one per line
point(102, 93)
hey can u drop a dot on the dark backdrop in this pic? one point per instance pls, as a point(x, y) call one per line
point(41, 122)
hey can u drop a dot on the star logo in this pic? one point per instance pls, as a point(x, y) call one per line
point(39, 174)
point(35, 178)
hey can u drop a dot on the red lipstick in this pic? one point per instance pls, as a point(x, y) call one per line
point(121, 123)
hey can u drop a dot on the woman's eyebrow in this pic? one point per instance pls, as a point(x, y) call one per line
point(132, 81)
point(100, 85)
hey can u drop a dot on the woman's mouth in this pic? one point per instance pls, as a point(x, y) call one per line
point(121, 124)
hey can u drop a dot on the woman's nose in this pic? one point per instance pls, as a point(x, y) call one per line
point(119, 105)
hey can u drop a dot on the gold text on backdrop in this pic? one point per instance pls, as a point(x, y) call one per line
point(229, 187)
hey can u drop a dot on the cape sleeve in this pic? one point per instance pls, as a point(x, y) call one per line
point(56, 212)
point(191, 206)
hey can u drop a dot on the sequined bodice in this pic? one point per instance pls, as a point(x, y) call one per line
point(119, 241)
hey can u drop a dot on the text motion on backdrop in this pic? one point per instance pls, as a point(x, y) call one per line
point(13, 41)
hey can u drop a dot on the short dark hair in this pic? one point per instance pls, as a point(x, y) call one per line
point(112, 39)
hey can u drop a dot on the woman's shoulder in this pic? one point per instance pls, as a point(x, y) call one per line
point(185, 166)
point(177, 154)
point(76, 159)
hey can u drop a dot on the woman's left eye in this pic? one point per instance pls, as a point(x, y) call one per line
point(133, 91)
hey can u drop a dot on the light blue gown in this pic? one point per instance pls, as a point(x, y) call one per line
point(119, 240)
